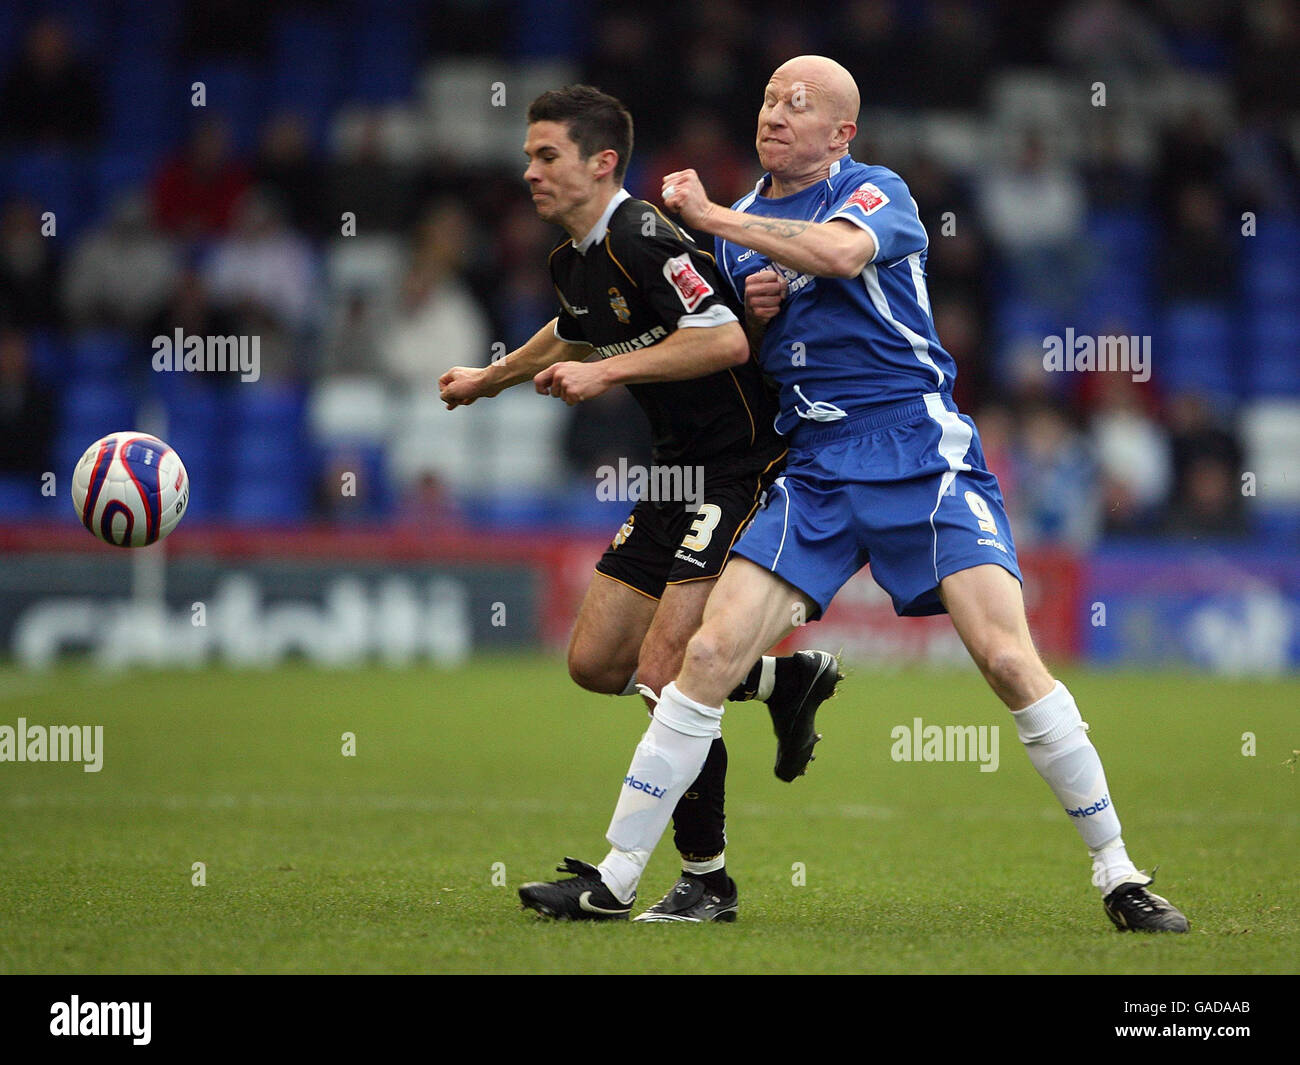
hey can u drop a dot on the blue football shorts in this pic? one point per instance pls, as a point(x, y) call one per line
point(904, 488)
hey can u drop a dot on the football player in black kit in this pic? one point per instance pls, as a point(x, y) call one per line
point(636, 291)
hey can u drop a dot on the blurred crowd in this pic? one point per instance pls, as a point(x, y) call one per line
point(327, 218)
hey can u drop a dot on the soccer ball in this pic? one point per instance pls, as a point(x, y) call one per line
point(130, 489)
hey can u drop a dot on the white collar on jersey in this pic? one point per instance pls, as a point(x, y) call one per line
point(766, 179)
point(601, 227)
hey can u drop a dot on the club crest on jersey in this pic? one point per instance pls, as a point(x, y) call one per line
point(619, 306)
point(691, 288)
point(868, 197)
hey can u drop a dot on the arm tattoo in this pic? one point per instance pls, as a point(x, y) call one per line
point(778, 227)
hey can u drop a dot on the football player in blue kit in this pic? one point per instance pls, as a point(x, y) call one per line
point(828, 256)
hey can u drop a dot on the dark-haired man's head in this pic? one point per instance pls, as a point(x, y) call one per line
point(579, 141)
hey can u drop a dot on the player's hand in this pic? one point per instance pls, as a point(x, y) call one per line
point(462, 385)
point(764, 291)
point(572, 381)
point(684, 193)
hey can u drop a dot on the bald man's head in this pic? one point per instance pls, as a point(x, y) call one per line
point(827, 76)
point(809, 116)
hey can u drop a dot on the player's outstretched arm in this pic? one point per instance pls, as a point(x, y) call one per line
point(462, 385)
point(823, 249)
point(693, 351)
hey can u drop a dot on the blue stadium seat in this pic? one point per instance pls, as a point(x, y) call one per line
point(1270, 276)
point(1272, 344)
point(1020, 319)
point(1197, 349)
point(267, 501)
point(305, 66)
point(142, 113)
point(383, 62)
point(147, 26)
point(49, 356)
point(235, 91)
point(198, 414)
point(102, 355)
point(11, 41)
point(96, 408)
point(1276, 526)
point(267, 440)
point(1275, 233)
point(1124, 234)
point(52, 179)
point(267, 405)
point(20, 497)
point(1130, 308)
point(89, 410)
point(512, 510)
point(116, 173)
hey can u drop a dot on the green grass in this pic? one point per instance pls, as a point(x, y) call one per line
point(384, 862)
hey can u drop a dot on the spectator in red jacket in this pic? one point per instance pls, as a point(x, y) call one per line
point(197, 191)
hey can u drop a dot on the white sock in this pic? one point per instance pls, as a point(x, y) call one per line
point(621, 872)
point(1111, 866)
point(1056, 740)
point(668, 758)
point(766, 679)
point(701, 868)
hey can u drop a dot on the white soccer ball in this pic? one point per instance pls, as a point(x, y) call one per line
point(130, 489)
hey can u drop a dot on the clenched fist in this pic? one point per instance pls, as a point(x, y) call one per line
point(764, 291)
point(684, 193)
point(572, 381)
point(462, 385)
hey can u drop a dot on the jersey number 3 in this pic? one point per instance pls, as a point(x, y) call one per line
point(707, 518)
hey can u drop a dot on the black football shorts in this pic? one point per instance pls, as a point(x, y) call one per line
point(664, 543)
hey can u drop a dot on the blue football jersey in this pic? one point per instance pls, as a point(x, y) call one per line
point(848, 344)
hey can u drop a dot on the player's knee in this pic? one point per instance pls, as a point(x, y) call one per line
point(595, 676)
point(708, 652)
point(1011, 667)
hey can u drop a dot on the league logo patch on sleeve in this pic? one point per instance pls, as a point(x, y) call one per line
point(868, 197)
point(691, 288)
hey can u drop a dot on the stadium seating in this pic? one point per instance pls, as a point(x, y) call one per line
point(20, 496)
point(53, 180)
point(237, 92)
point(100, 356)
point(382, 64)
point(1273, 343)
point(1271, 264)
point(142, 118)
point(1197, 349)
point(87, 411)
point(305, 64)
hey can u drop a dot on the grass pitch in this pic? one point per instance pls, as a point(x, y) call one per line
point(465, 783)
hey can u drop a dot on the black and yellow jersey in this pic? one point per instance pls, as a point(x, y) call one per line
point(634, 280)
